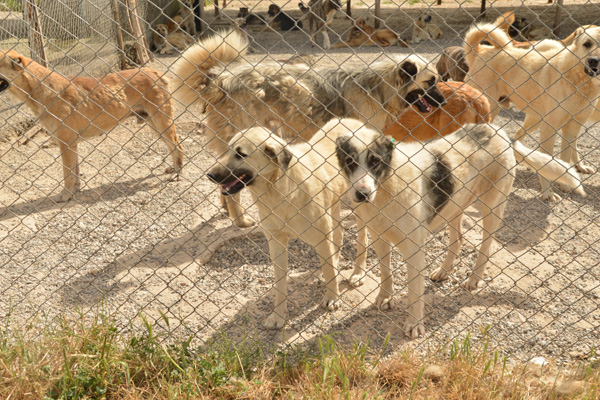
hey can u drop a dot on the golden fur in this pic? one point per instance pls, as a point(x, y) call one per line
point(297, 190)
point(186, 12)
point(464, 105)
point(83, 107)
point(424, 29)
point(556, 88)
point(293, 99)
point(364, 35)
point(403, 192)
point(165, 42)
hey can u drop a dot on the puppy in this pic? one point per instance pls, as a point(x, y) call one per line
point(423, 29)
point(84, 107)
point(541, 84)
point(464, 105)
point(452, 64)
point(405, 191)
point(366, 35)
point(320, 16)
point(280, 21)
point(296, 100)
point(297, 190)
point(186, 12)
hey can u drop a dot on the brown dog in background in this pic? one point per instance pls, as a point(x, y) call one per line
point(464, 105)
point(84, 107)
point(366, 35)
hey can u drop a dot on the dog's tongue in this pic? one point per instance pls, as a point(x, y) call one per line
point(425, 103)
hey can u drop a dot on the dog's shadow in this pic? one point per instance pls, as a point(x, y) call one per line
point(87, 196)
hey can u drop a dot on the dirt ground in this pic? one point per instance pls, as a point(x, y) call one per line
point(134, 241)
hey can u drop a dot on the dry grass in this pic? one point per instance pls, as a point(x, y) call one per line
point(90, 359)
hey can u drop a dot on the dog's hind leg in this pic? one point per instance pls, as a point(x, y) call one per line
point(547, 138)
point(455, 243)
point(327, 252)
point(163, 124)
point(493, 203)
point(362, 243)
point(278, 249)
point(411, 248)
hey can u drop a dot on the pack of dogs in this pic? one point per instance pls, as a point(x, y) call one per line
point(412, 146)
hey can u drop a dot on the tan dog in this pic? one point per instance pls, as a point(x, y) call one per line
point(82, 107)
point(557, 88)
point(408, 190)
point(165, 42)
point(297, 190)
point(186, 12)
point(452, 64)
point(320, 16)
point(174, 24)
point(424, 29)
point(364, 35)
point(296, 100)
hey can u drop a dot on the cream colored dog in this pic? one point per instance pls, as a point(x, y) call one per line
point(557, 87)
point(297, 190)
point(75, 108)
point(186, 12)
point(424, 29)
point(408, 190)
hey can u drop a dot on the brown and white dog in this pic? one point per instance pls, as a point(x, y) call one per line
point(557, 88)
point(464, 105)
point(296, 100)
point(452, 64)
point(424, 29)
point(82, 107)
point(320, 16)
point(405, 191)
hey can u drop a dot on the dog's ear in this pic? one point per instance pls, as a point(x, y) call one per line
point(387, 144)
point(408, 69)
point(277, 153)
point(569, 39)
point(343, 148)
point(17, 61)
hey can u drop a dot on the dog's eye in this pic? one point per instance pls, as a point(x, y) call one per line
point(587, 45)
point(350, 163)
point(374, 162)
point(240, 154)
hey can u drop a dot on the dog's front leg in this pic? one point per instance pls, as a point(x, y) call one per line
point(547, 138)
point(327, 253)
point(70, 162)
point(358, 274)
point(384, 253)
point(326, 42)
point(569, 152)
point(278, 249)
point(236, 212)
point(415, 261)
point(455, 243)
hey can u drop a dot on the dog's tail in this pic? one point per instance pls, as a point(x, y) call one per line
point(477, 35)
point(192, 69)
point(550, 168)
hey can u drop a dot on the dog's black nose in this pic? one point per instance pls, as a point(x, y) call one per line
point(212, 176)
point(361, 196)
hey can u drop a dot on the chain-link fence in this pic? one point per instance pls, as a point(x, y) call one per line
point(139, 235)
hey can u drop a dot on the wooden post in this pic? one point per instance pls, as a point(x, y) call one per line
point(216, 3)
point(36, 36)
point(141, 44)
point(558, 18)
point(120, 41)
point(439, 2)
point(199, 14)
point(482, 10)
point(377, 13)
point(349, 8)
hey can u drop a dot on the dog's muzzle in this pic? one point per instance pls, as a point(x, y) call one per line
point(592, 67)
point(3, 85)
point(361, 196)
point(426, 101)
point(230, 182)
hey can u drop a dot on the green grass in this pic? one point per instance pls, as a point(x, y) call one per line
point(11, 5)
point(411, 2)
point(90, 358)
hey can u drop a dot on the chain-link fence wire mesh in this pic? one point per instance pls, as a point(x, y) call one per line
point(138, 240)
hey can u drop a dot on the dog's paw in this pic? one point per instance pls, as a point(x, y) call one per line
point(63, 196)
point(357, 279)
point(584, 169)
point(384, 302)
point(473, 283)
point(439, 274)
point(275, 321)
point(330, 304)
point(550, 196)
point(244, 221)
point(176, 172)
point(413, 328)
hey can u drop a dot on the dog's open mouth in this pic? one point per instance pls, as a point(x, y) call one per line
point(425, 102)
point(423, 105)
point(3, 85)
point(593, 72)
point(237, 184)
